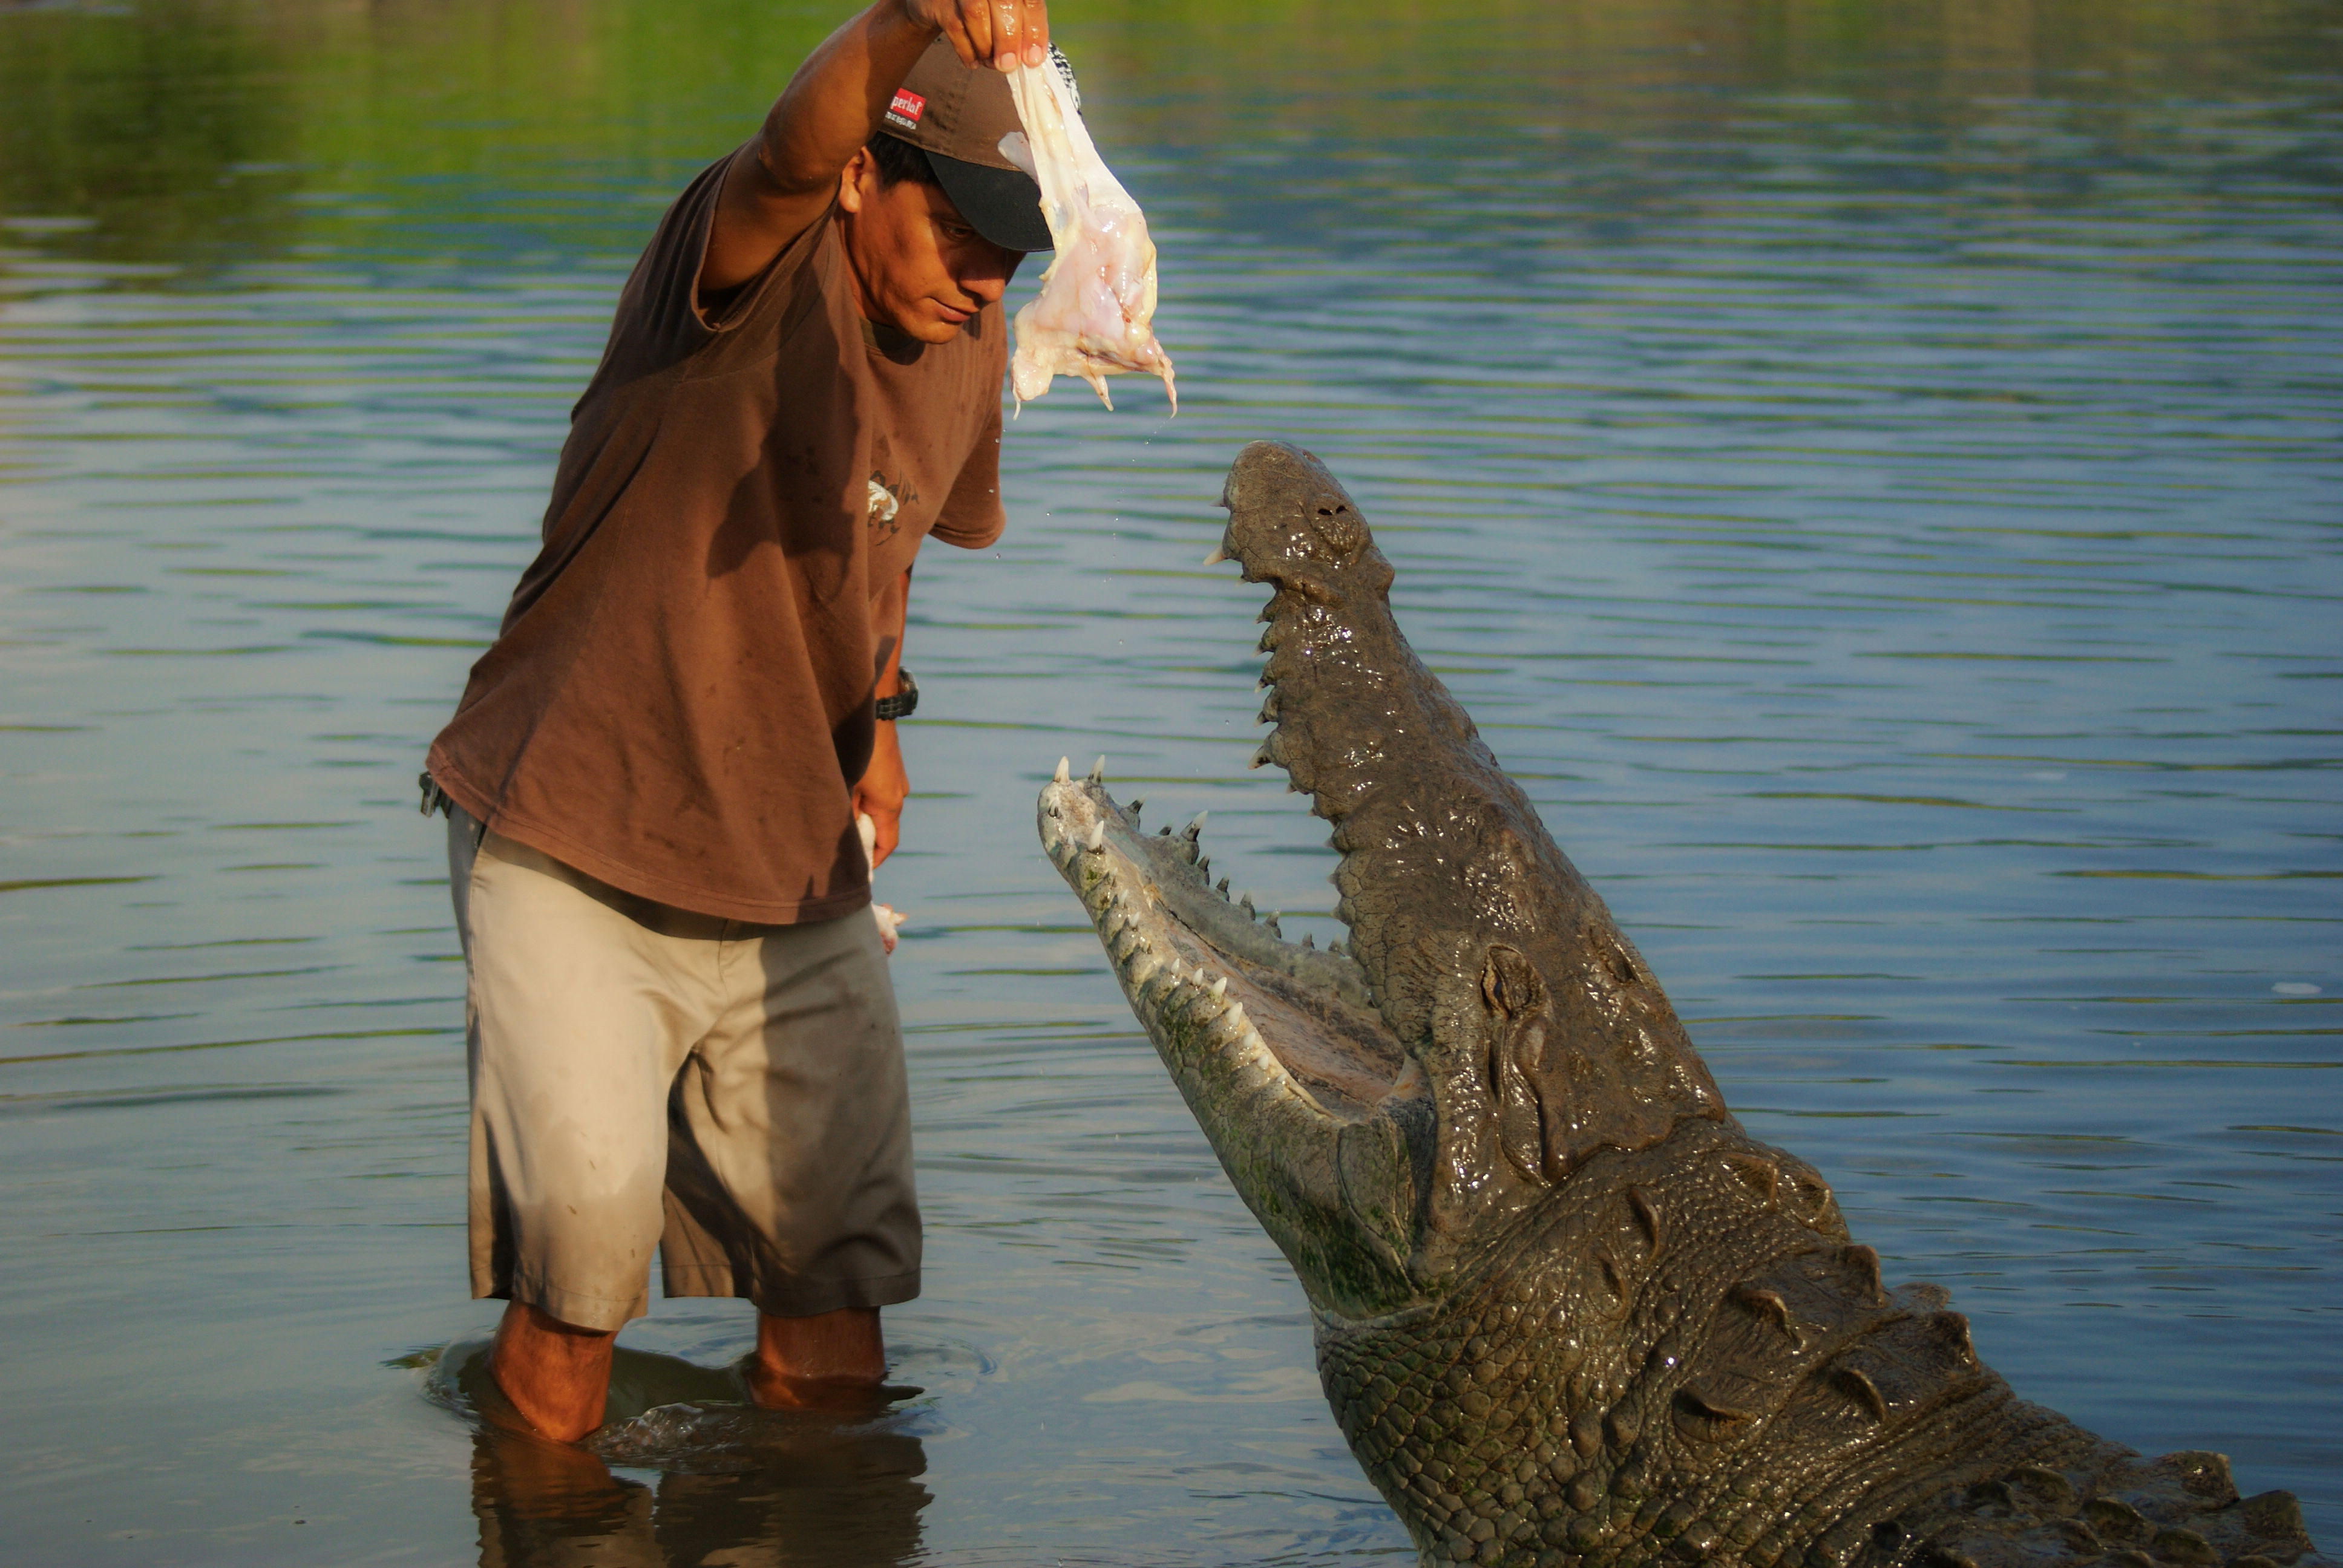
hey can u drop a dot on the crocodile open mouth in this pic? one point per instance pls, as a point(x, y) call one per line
point(1567, 1310)
point(1189, 957)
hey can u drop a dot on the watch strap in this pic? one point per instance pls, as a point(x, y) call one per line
point(906, 699)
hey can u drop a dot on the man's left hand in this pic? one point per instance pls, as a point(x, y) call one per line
point(881, 792)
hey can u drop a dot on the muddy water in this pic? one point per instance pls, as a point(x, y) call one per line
point(1872, 470)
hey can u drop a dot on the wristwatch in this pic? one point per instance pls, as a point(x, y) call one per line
point(906, 699)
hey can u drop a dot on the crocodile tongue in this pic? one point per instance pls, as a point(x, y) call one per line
point(1276, 1048)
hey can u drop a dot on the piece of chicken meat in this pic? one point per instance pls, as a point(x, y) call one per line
point(1092, 317)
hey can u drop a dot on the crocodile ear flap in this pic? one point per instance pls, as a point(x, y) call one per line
point(1516, 997)
point(1510, 986)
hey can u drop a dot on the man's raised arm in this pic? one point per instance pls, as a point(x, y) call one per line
point(785, 177)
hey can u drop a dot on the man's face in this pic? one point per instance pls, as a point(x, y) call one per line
point(917, 265)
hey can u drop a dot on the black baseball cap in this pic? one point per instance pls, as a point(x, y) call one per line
point(962, 117)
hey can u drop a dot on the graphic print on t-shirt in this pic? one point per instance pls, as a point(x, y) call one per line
point(887, 503)
point(697, 446)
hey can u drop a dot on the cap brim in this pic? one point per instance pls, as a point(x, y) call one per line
point(1004, 206)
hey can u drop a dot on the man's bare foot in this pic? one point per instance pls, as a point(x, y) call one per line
point(829, 1360)
point(557, 1375)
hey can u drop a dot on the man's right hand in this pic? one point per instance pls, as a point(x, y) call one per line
point(787, 177)
point(1005, 32)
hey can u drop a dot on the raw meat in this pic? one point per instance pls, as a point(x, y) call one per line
point(889, 923)
point(1092, 317)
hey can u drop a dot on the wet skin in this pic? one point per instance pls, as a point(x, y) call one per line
point(1568, 1310)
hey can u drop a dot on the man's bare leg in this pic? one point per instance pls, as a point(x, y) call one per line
point(803, 1362)
point(555, 1374)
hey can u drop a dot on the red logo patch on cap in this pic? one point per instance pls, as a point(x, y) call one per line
point(907, 109)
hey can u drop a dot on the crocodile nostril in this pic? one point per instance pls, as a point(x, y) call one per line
point(1339, 527)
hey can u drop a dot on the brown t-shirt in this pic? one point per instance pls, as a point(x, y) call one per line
point(679, 700)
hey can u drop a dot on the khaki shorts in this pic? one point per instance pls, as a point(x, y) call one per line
point(641, 1076)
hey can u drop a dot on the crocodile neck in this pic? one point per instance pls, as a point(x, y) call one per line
point(1681, 1351)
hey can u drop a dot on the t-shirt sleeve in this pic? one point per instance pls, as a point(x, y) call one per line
point(971, 516)
point(661, 318)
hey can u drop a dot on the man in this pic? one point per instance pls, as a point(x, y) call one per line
point(682, 1030)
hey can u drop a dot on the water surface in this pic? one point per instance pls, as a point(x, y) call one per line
point(1871, 468)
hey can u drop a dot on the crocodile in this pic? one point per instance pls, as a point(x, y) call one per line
point(1567, 1310)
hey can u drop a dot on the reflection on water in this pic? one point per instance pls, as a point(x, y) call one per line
point(1871, 468)
point(732, 1484)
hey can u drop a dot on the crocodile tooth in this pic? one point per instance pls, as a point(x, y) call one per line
point(1065, 770)
point(1098, 771)
point(1204, 868)
point(1098, 835)
point(1196, 827)
point(1138, 804)
point(1217, 557)
point(1220, 988)
point(1270, 921)
point(1309, 941)
point(1221, 887)
point(1246, 904)
point(1260, 756)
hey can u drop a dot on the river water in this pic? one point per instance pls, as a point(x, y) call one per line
point(1871, 468)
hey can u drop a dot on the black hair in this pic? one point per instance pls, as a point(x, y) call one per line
point(899, 160)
